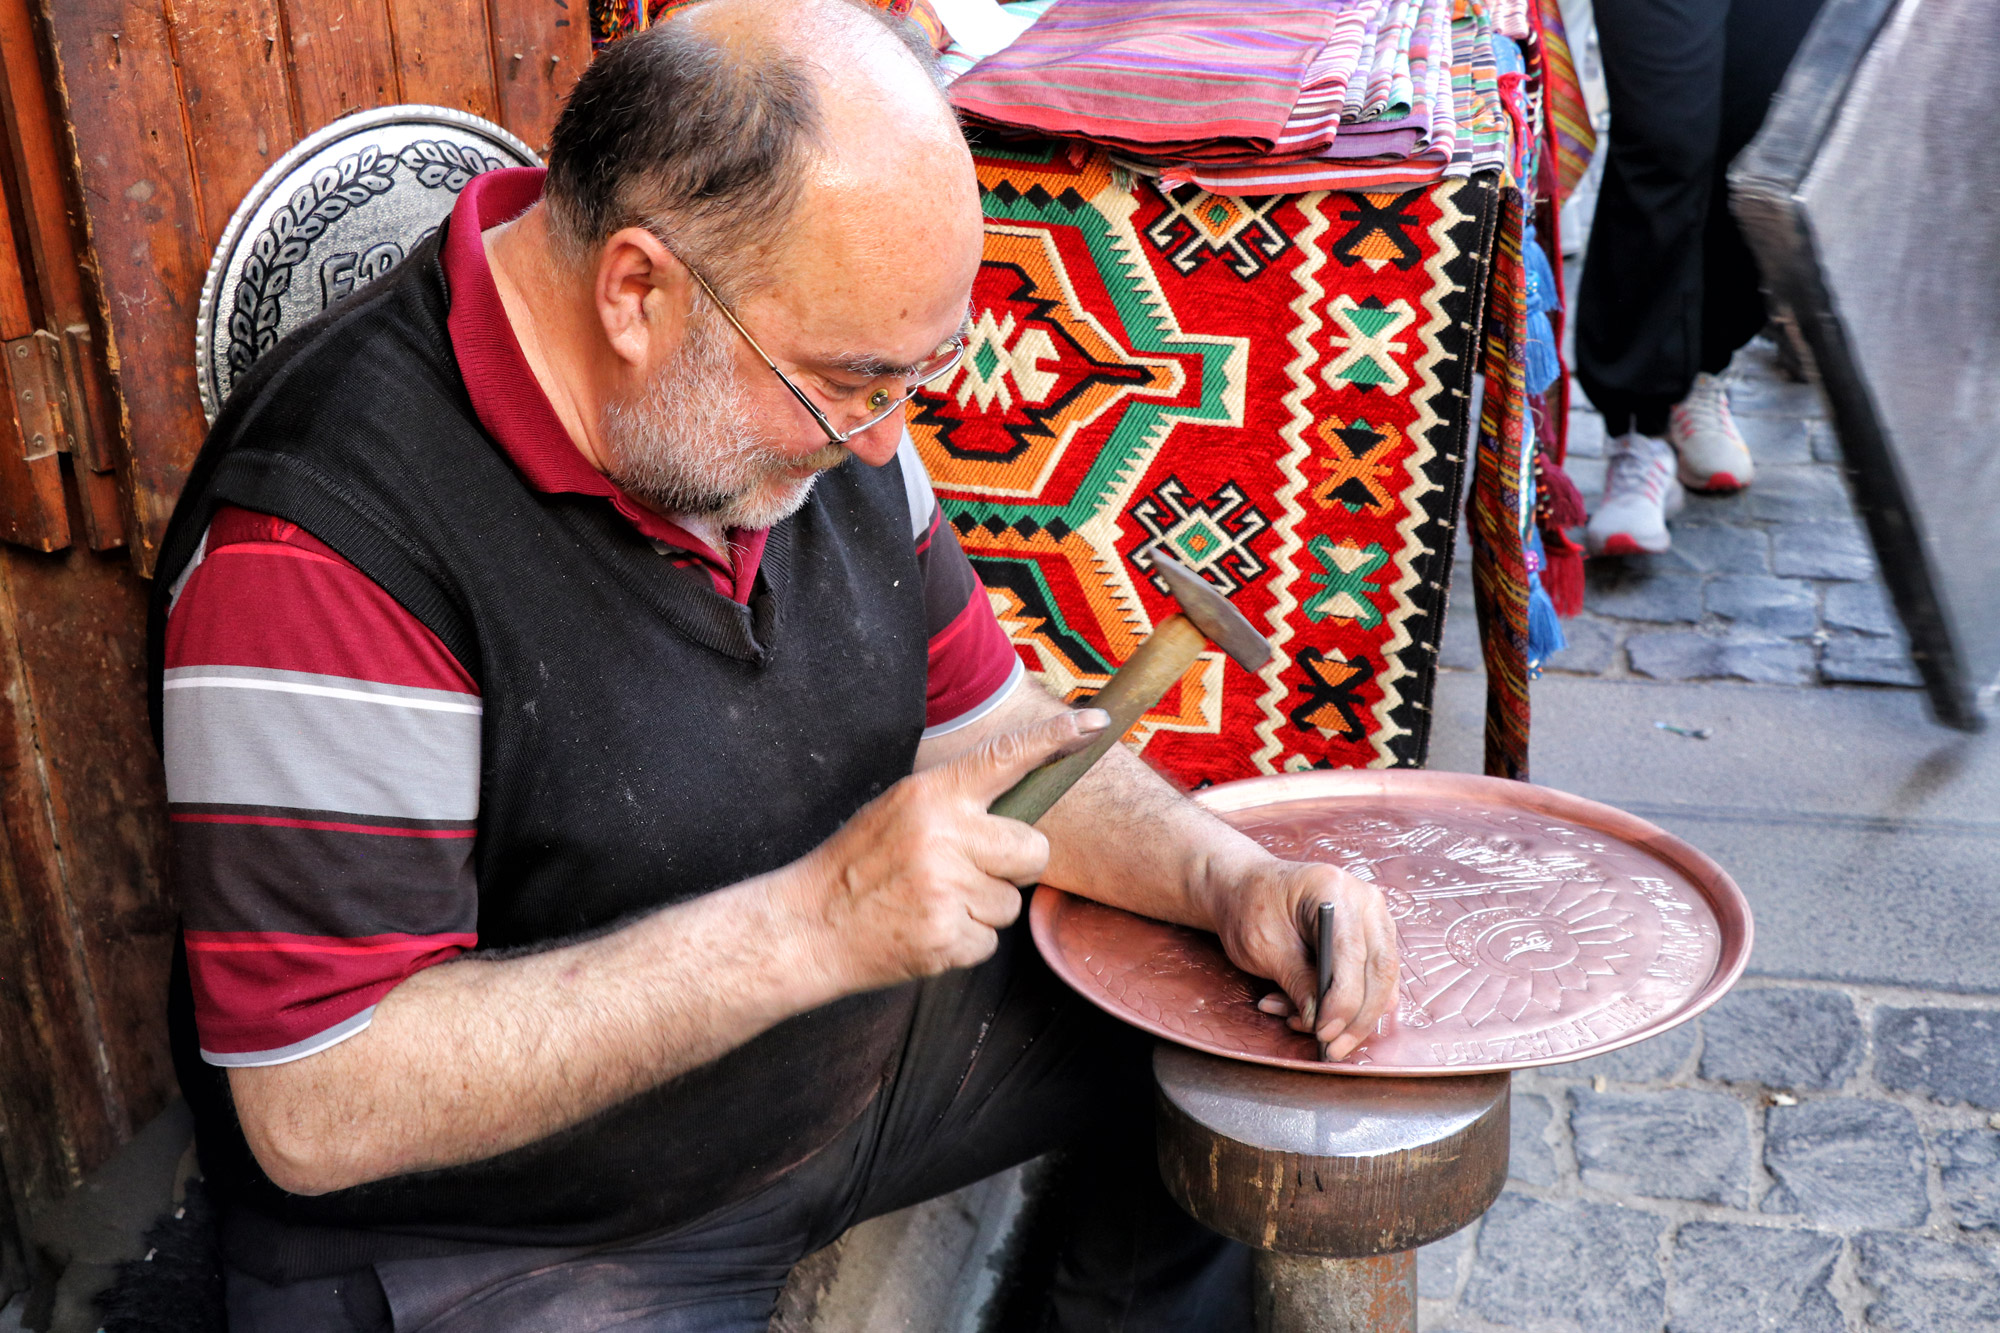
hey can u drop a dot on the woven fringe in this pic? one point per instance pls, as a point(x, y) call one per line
point(1562, 572)
point(1499, 562)
point(1543, 368)
point(1573, 136)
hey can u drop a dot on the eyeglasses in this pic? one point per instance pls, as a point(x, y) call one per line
point(941, 362)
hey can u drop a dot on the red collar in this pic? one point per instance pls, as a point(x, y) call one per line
point(509, 401)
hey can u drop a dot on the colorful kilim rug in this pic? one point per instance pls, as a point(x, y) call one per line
point(1274, 390)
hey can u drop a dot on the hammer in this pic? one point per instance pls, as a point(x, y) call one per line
point(1161, 660)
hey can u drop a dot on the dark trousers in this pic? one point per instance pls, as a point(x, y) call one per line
point(1003, 1063)
point(1669, 287)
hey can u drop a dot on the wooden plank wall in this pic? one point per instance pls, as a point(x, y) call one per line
point(86, 923)
point(133, 129)
point(176, 107)
point(85, 929)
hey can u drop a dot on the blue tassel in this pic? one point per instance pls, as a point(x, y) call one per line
point(1545, 632)
point(1544, 293)
point(1543, 368)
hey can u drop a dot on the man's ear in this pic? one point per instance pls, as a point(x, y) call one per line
point(641, 296)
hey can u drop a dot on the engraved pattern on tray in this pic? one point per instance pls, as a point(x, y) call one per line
point(1525, 938)
point(1522, 936)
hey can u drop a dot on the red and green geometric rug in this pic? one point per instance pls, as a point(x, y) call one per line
point(1274, 390)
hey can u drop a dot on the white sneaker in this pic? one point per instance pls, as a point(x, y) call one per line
point(1640, 494)
point(1713, 455)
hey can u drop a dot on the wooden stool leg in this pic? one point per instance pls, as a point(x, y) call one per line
point(1303, 1293)
point(1335, 1179)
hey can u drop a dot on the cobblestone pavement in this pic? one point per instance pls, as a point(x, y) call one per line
point(1776, 584)
point(1802, 1159)
point(1808, 1157)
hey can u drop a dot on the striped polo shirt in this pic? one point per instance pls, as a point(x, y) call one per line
point(322, 745)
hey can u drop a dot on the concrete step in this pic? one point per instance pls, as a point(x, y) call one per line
point(1866, 836)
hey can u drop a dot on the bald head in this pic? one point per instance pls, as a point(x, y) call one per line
point(745, 132)
point(796, 160)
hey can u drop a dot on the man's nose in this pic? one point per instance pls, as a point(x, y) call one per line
point(878, 444)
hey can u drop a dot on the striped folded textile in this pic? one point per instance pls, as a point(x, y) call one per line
point(1316, 116)
point(1511, 19)
point(1389, 71)
point(1321, 128)
point(1482, 121)
point(1164, 78)
point(1464, 130)
point(1391, 93)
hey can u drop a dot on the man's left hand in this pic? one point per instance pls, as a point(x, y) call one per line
point(1267, 916)
point(1124, 837)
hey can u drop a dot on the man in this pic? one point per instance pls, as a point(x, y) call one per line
point(579, 729)
point(1670, 290)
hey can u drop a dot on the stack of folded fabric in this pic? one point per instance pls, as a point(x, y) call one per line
point(963, 31)
point(1259, 97)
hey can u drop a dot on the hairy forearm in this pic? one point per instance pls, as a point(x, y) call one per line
point(474, 1057)
point(1123, 835)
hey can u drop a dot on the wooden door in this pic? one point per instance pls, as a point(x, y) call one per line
point(133, 129)
point(176, 107)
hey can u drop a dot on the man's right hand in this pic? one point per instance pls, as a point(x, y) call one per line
point(922, 879)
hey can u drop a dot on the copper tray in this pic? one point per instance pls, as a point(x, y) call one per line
point(1536, 927)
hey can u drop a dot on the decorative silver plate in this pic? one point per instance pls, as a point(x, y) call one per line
point(332, 215)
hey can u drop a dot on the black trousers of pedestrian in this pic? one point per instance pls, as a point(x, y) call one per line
point(1669, 287)
point(1003, 1063)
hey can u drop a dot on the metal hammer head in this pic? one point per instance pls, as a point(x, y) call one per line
point(1203, 603)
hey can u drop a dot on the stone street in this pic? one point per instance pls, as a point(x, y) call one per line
point(1775, 584)
point(1821, 1151)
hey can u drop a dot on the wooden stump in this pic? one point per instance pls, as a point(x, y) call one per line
point(1334, 1179)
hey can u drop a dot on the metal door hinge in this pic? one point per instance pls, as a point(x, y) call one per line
point(40, 394)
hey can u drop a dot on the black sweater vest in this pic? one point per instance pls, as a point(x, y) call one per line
point(645, 740)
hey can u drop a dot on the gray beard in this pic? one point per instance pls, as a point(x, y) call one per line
point(688, 443)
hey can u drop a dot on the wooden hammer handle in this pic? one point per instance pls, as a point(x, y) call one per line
point(1149, 673)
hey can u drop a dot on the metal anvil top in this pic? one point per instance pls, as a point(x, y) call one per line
point(1333, 1166)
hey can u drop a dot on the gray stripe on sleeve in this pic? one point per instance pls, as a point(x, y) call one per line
point(916, 486)
point(298, 1050)
point(244, 736)
point(981, 709)
point(309, 682)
